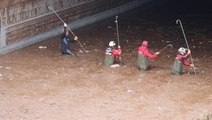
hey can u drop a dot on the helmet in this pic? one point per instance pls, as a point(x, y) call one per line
point(145, 43)
point(112, 43)
point(182, 50)
point(65, 25)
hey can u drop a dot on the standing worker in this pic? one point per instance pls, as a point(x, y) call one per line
point(177, 68)
point(144, 56)
point(112, 54)
point(66, 42)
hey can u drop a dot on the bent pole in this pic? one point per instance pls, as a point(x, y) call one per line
point(68, 28)
point(179, 22)
point(169, 45)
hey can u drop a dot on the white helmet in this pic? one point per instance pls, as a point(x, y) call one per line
point(112, 43)
point(182, 50)
point(65, 25)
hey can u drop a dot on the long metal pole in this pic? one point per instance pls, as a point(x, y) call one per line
point(117, 32)
point(178, 21)
point(68, 28)
point(117, 29)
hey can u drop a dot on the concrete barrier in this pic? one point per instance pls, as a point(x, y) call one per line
point(16, 35)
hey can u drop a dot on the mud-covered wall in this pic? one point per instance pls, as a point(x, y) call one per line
point(24, 22)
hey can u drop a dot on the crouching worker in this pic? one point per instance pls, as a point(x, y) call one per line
point(66, 42)
point(144, 56)
point(112, 54)
point(177, 68)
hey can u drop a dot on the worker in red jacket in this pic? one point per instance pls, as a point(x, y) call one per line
point(177, 68)
point(112, 54)
point(144, 56)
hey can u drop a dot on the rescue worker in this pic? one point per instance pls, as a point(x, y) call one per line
point(144, 56)
point(66, 42)
point(177, 68)
point(112, 54)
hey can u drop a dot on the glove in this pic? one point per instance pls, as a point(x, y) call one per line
point(119, 46)
point(157, 53)
point(75, 38)
point(191, 65)
point(65, 25)
point(189, 51)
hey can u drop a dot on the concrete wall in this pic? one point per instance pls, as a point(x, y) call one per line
point(30, 21)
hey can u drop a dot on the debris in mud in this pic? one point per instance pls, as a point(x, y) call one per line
point(41, 99)
point(129, 91)
point(200, 43)
point(80, 51)
point(24, 96)
point(142, 97)
point(139, 80)
point(207, 117)
point(42, 47)
point(202, 71)
point(109, 27)
point(8, 68)
point(115, 65)
point(82, 69)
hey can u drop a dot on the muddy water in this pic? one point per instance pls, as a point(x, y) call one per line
point(42, 84)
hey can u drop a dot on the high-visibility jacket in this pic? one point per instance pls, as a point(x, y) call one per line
point(111, 55)
point(177, 67)
point(144, 57)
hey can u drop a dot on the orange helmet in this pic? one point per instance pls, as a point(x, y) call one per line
point(145, 43)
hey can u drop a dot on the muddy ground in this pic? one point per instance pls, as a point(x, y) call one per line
point(42, 84)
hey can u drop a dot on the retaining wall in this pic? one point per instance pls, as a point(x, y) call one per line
point(30, 21)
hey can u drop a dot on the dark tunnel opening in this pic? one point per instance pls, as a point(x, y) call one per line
point(156, 22)
point(182, 6)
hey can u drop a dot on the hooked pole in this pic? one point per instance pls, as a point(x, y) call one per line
point(169, 45)
point(179, 22)
point(68, 28)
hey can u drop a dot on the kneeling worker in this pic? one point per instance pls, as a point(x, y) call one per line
point(177, 68)
point(66, 42)
point(112, 54)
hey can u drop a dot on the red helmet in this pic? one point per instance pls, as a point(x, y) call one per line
point(145, 43)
